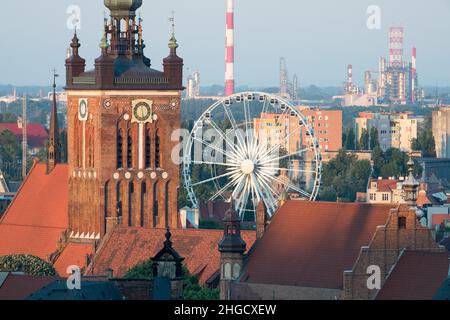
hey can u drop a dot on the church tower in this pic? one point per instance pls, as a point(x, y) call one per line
point(121, 116)
point(232, 249)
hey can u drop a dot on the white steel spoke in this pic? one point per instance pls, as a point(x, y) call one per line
point(214, 178)
point(227, 154)
point(221, 191)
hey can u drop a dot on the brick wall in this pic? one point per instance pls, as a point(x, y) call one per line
point(402, 231)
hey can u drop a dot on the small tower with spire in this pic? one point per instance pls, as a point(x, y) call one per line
point(104, 65)
point(410, 185)
point(167, 263)
point(75, 65)
point(54, 147)
point(232, 249)
point(173, 64)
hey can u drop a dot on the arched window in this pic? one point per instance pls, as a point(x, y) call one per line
point(148, 151)
point(157, 151)
point(130, 203)
point(119, 208)
point(227, 271)
point(129, 150)
point(119, 149)
point(166, 204)
point(143, 194)
point(106, 203)
point(236, 271)
point(155, 204)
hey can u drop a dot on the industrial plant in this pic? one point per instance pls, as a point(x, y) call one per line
point(397, 81)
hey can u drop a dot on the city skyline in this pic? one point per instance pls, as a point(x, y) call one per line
point(318, 48)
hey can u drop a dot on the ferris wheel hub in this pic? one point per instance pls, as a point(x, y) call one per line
point(247, 166)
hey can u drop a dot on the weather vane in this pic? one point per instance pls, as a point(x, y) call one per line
point(55, 75)
point(172, 20)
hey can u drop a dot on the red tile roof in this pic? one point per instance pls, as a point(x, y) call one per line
point(437, 219)
point(386, 185)
point(311, 244)
point(128, 246)
point(37, 135)
point(73, 254)
point(38, 214)
point(19, 287)
point(416, 276)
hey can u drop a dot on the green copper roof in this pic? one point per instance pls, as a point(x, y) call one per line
point(123, 8)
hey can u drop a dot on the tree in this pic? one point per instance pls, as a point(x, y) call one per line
point(191, 288)
point(392, 163)
point(9, 146)
point(364, 140)
point(143, 270)
point(373, 138)
point(8, 118)
point(349, 141)
point(343, 177)
point(27, 264)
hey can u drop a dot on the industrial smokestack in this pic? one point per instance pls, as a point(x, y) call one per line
point(413, 75)
point(229, 51)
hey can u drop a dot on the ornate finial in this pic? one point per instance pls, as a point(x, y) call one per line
point(104, 42)
point(55, 75)
point(173, 41)
point(168, 242)
point(410, 165)
point(75, 43)
point(172, 19)
point(410, 185)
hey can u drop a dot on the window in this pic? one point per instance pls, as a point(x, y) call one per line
point(227, 271)
point(130, 203)
point(119, 150)
point(385, 197)
point(402, 222)
point(157, 155)
point(155, 205)
point(373, 197)
point(129, 150)
point(236, 271)
point(119, 202)
point(143, 194)
point(148, 151)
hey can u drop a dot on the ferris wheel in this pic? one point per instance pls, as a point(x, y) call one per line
point(251, 147)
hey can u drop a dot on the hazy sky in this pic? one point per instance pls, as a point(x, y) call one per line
point(317, 37)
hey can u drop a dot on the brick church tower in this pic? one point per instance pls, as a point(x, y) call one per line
point(121, 116)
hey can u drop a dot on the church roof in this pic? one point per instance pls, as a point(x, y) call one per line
point(34, 221)
point(416, 276)
point(311, 244)
point(128, 246)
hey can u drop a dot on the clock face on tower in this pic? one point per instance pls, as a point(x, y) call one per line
point(142, 111)
point(83, 109)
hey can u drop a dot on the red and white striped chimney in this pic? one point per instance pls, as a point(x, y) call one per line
point(229, 50)
point(413, 75)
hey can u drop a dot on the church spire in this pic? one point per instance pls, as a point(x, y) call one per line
point(53, 150)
